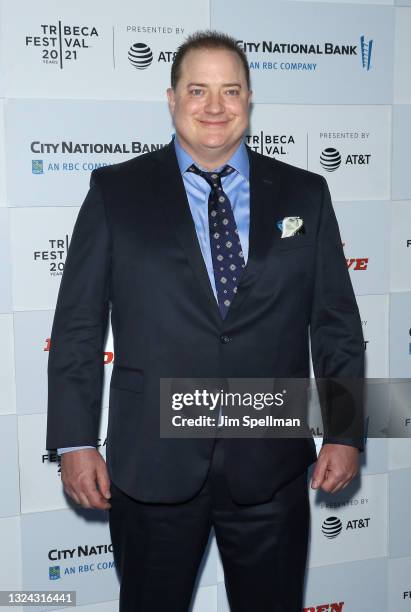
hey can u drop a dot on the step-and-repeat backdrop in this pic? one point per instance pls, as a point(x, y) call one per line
point(332, 93)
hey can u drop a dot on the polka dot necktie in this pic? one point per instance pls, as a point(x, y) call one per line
point(226, 251)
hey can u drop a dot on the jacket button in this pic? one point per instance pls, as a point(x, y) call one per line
point(224, 339)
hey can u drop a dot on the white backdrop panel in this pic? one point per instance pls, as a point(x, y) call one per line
point(363, 228)
point(10, 554)
point(57, 143)
point(7, 380)
point(87, 566)
point(401, 135)
point(2, 151)
point(5, 263)
point(400, 243)
point(374, 317)
point(399, 512)
point(400, 335)
point(313, 76)
point(39, 238)
point(399, 585)
point(359, 587)
point(374, 460)
point(399, 453)
point(82, 50)
point(359, 513)
point(40, 482)
point(402, 56)
point(358, 135)
point(32, 344)
point(9, 481)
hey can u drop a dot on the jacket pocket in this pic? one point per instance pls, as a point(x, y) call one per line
point(129, 379)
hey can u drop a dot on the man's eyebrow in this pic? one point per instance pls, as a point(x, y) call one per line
point(192, 84)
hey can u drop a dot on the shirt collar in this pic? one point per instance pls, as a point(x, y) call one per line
point(239, 160)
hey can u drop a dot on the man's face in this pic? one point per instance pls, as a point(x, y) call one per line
point(210, 104)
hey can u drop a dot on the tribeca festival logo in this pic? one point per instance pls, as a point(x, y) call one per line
point(333, 526)
point(270, 144)
point(59, 43)
point(327, 607)
point(54, 255)
point(366, 52)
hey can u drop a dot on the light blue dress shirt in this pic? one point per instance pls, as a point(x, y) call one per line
point(237, 187)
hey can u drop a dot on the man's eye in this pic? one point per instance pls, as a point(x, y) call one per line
point(233, 92)
point(196, 92)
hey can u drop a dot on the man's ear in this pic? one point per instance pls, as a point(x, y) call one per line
point(171, 99)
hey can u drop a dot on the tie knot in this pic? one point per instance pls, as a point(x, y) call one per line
point(212, 178)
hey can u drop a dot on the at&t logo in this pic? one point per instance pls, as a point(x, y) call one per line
point(333, 526)
point(331, 159)
point(140, 56)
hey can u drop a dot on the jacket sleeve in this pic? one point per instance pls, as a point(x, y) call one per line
point(337, 344)
point(75, 366)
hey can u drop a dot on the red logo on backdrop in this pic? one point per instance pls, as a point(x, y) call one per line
point(331, 607)
point(108, 356)
point(356, 263)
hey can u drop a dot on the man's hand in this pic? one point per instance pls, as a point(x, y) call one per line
point(82, 471)
point(336, 466)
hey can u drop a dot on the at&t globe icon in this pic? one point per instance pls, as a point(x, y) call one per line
point(140, 56)
point(330, 159)
point(331, 527)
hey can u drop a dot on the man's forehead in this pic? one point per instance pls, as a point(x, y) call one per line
point(198, 64)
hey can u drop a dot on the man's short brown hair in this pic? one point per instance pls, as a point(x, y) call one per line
point(207, 39)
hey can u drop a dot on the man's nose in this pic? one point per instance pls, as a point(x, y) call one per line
point(214, 104)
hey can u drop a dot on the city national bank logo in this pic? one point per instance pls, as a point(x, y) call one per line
point(140, 56)
point(66, 148)
point(54, 572)
point(54, 256)
point(366, 52)
point(333, 526)
point(37, 166)
point(61, 43)
point(270, 144)
point(327, 607)
point(93, 564)
point(307, 54)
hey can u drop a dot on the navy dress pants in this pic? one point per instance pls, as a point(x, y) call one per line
point(158, 547)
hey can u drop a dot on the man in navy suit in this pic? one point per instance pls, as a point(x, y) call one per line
point(217, 262)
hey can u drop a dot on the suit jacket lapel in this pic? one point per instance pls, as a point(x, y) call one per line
point(173, 198)
point(264, 188)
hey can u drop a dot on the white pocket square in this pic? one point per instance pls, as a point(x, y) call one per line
point(291, 226)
